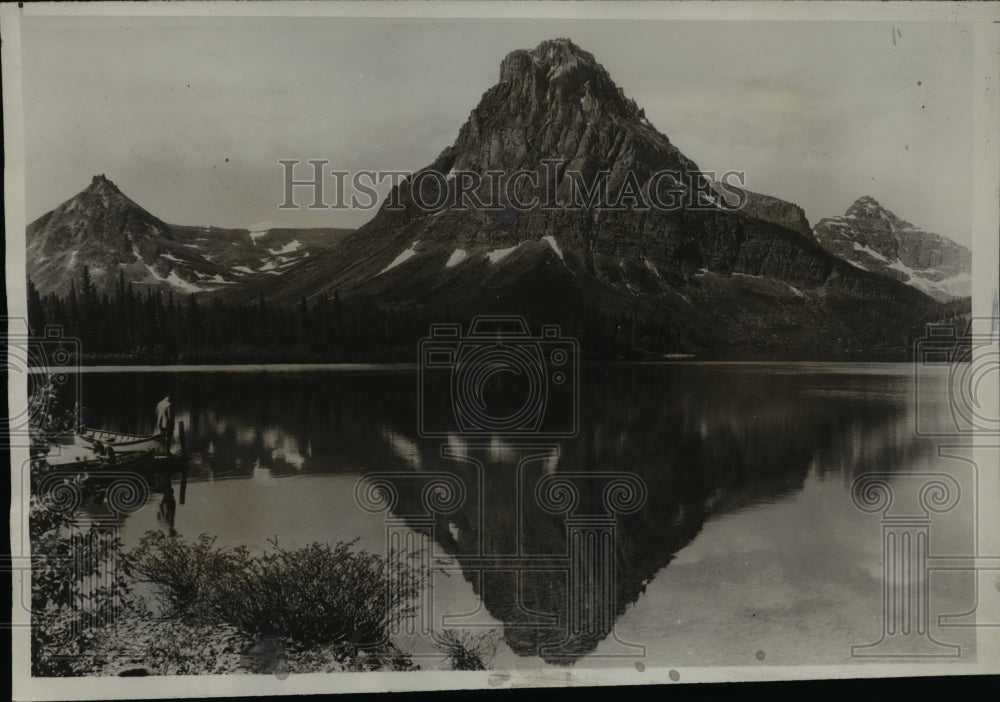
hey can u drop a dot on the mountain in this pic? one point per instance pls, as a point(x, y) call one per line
point(104, 230)
point(713, 277)
point(874, 239)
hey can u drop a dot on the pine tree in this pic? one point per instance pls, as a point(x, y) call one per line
point(36, 312)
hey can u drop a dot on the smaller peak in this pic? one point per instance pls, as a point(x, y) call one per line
point(865, 205)
point(866, 199)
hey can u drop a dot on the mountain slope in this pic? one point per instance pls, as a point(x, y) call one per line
point(874, 239)
point(720, 279)
point(104, 230)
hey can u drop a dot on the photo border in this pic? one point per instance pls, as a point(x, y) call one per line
point(986, 223)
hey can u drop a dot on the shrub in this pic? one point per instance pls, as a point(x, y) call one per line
point(317, 595)
point(185, 575)
point(76, 590)
point(467, 651)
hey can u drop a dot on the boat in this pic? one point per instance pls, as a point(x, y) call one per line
point(91, 450)
point(102, 454)
point(119, 442)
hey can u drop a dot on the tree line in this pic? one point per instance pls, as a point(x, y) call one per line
point(151, 326)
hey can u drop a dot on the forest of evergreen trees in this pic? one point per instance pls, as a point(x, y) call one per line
point(150, 326)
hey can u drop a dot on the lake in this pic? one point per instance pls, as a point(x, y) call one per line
point(702, 515)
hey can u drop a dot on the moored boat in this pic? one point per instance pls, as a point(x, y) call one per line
point(119, 442)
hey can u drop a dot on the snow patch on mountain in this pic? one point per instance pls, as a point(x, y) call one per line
point(401, 258)
point(958, 285)
point(870, 251)
point(171, 279)
point(500, 254)
point(457, 256)
point(872, 238)
point(291, 247)
point(551, 240)
point(651, 267)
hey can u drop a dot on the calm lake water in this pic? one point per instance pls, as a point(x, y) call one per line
point(739, 545)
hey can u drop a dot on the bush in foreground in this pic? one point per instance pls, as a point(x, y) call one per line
point(318, 596)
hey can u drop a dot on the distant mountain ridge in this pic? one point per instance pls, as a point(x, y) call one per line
point(698, 277)
point(106, 231)
point(872, 238)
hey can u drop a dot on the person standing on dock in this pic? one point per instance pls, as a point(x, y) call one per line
point(165, 422)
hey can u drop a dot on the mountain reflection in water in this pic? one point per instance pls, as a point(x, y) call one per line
point(697, 440)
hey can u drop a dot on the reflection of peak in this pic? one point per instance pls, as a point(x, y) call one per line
point(702, 444)
point(719, 462)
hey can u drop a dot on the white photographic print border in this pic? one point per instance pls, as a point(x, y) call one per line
point(981, 454)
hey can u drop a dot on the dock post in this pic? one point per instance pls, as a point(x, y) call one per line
point(184, 470)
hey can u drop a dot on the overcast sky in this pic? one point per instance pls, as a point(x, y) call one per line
point(189, 117)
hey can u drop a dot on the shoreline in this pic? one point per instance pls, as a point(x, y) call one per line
point(410, 366)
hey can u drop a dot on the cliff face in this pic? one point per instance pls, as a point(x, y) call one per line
point(874, 239)
point(776, 211)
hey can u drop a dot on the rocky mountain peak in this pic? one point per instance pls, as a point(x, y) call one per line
point(552, 54)
point(101, 195)
point(104, 230)
point(867, 201)
point(101, 185)
point(873, 238)
point(556, 103)
point(556, 74)
point(867, 207)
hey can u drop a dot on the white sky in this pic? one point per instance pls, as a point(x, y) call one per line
point(815, 113)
